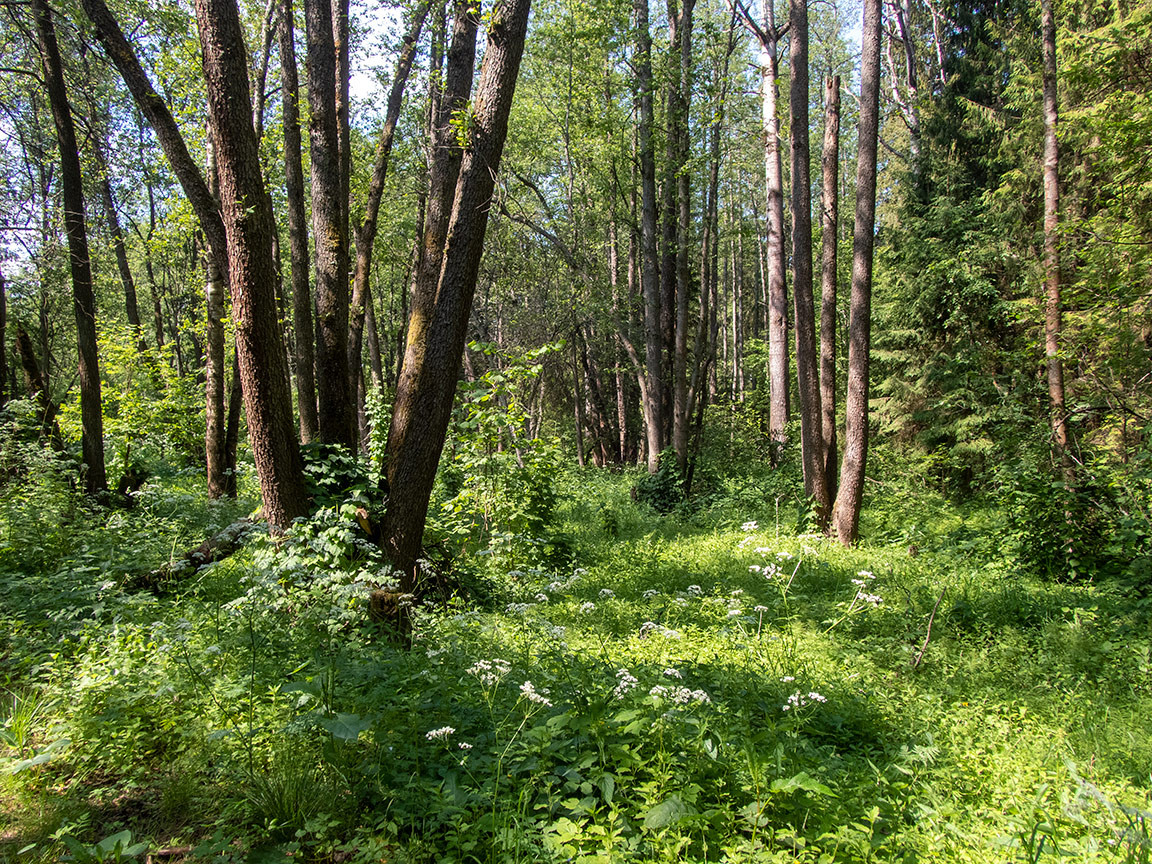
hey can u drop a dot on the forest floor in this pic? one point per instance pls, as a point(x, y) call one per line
point(705, 687)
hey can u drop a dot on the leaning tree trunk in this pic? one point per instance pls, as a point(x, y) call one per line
point(846, 515)
point(84, 301)
point(1052, 312)
point(807, 367)
point(334, 385)
point(247, 218)
point(297, 232)
point(425, 404)
point(829, 231)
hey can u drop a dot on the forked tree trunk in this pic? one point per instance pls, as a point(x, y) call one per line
point(424, 405)
point(333, 384)
point(829, 241)
point(846, 515)
point(247, 217)
point(84, 301)
point(297, 232)
point(807, 366)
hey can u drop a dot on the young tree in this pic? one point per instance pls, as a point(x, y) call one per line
point(829, 206)
point(846, 513)
point(84, 301)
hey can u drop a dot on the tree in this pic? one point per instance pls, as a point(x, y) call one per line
point(846, 512)
point(829, 233)
point(424, 399)
point(84, 301)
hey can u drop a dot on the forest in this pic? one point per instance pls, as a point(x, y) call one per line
point(598, 430)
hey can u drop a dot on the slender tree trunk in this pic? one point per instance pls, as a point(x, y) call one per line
point(333, 384)
point(807, 366)
point(215, 411)
point(650, 266)
point(846, 516)
point(232, 430)
point(3, 342)
point(248, 223)
point(681, 410)
point(366, 230)
point(297, 232)
point(84, 301)
point(1052, 312)
point(37, 387)
point(424, 402)
point(829, 236)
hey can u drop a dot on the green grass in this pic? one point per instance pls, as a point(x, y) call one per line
point(651, 699)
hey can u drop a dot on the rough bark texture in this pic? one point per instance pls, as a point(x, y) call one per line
point(366, 230)
point(252, 278)
point(1052, 311)
point(83, 300)
point(214, 411)
point(681, 410)
point(846, 515)
point(297, 232)
point(154, 109)
point(807, 366)
point(650, 265)
point(426, 403)
point(333, 383)
point(829, 206)
point(444, 170)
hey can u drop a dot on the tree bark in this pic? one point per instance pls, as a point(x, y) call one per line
point(829, 242)
point(214, 411)
point(650, 265)
point(3, 342)
point(83, 299)
point(846, 515)
point(247, 217)
point(424, 405)
point(333, 384)
point(1052, 311)
point(297, 232)
point(807, 366)
point(366, 230)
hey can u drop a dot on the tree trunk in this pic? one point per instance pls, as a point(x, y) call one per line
point(366, 230)
point(650, 266)
point(130, 305)
point(232, 430)
point(3, 342)
point(84, 301)
point(297, 232)
point(807, 366)
point(37, 388)
point(681, 410)
point(1052, 312)
point(214, 412)
point(846, 516)
point(829, 228)
point(333, 384)
point(247, 217)
point(424, 404)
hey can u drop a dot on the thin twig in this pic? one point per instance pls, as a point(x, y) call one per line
point(928, 635)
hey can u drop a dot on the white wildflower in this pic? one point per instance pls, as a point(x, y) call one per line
point(607, 593)
point(874, 599)
point(650, 593)
point(754, 568)
point(625, 681)
point(587, 606)
point(541, 598)
point(695, 590)
point(490, 672)
point(530, 693)
point(760, 608)
point(867, 574)
point(672, 673)
point(464, 745)
point(750, 525)
point(440, 734)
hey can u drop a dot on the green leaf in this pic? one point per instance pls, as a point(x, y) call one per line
point(802, 782)
point(347, 727)
point(667, 813)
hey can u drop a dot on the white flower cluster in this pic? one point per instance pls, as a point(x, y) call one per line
point(440, 734)
point(607, 593)
point(672, 673)
point(555, 586)
point(541, 598)
point(517, 608)
point(750, 525)
point(695, 590)
point(490, 672)
point(874, 599)
point(533, 695)
point(799, 700)
point(680, 695)
point(625, 681)
point(587, 606)
point(650, 593)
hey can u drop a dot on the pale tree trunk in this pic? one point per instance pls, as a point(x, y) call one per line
point(1052, 312)
point(681, 409)
point(247, 218)
point(807, 366)
point(84, 301)
point(829, 206)
point(846, 515)
point(305, 340)
point(424, 404)
point(333, 384)
point(650, 266)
